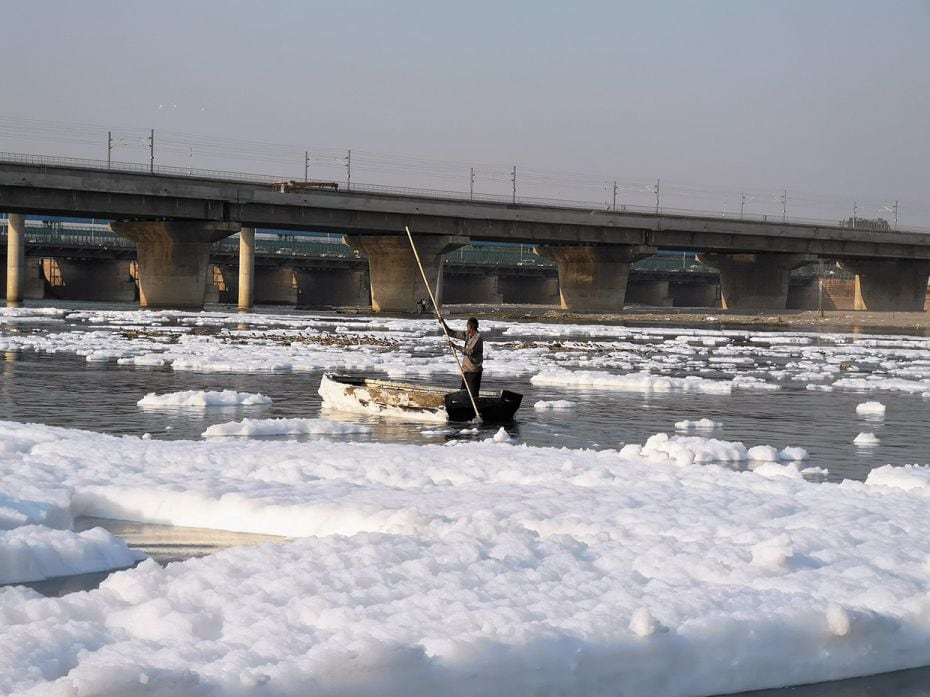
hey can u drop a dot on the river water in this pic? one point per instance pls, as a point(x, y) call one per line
point(64, 389)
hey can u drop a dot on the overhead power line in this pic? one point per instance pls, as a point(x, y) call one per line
point(213, 152)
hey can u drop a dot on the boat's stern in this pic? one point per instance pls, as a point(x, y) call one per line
point(494, 408)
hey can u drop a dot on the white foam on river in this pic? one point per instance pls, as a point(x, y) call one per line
point(475, 566)
point(203, 398)
point(666, 359)
point(468, 568)
point(282, 427)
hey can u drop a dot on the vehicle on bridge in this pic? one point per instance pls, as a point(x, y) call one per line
point(286, 186)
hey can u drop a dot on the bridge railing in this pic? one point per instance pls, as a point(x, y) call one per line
point(134, 167)
point(289, 246)
point(72, 236)
point(517, 255)
point(686, 262)
point(440, 194)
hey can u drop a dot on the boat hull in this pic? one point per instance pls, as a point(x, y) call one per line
point(413, 402)
point(497, 409)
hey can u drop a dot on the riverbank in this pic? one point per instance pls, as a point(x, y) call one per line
point(826, 321)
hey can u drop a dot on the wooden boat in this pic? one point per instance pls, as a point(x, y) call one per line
point(415, 402)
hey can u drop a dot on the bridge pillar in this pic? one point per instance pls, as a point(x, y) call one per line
point(594, 278)
point(15, 258)
point(649, 293)
point(892, 284)
point(529, 290)
point(275, 285)
point(472, 288)
point(246, 268)
point(396, 283)
point(755, 281)
point(174, 259)
point(333, 288)
point(105, 280)
point(694, 294)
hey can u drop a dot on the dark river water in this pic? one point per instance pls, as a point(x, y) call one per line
point(65, 390)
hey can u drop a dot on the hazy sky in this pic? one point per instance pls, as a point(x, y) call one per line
point(822, 96)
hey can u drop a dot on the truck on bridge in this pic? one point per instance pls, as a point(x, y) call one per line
point(286, 186)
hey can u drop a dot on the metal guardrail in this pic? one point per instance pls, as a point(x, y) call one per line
point(134, 168)
point(413, 192)
point(686, 263)
point(290, 246)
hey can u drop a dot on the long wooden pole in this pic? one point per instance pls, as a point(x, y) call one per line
point(442, 323)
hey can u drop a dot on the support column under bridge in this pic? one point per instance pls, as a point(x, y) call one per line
point(480, 286)
point(101, 280)
point(892, 284)
point(264, 285)
point(594, 278)
point(755, 281)
point(174, 259)
point(538, 289)
point(396, 283)
point(333, 288)
point(15, 258)
point(246, 295)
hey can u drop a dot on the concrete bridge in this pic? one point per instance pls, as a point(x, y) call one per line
point(81, 261)
point(174, 219)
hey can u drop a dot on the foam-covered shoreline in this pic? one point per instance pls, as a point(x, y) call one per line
point(471, 568)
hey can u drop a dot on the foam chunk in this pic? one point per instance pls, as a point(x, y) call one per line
point(200, 398)
point(556, 404)
point(870, 408)
point(282, 427)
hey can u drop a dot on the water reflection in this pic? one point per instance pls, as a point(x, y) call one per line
point(9, 357)
point(65, 390)
point(162, 543)
point(169, 543)
point(902, 683)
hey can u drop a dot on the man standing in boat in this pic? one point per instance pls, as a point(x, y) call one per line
point(472, 353)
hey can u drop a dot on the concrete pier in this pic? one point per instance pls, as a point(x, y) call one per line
point(396, 283)
point(594, 278)
point(174, 259)
point(899, 284)
point(702, 294)
point(15, 258)
point(275, 285)
point(529, 290)
point(478, 288)
point(333, 288)
point(755, 281)
point(103, 280)
point(648, 293)
point(246, 268)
